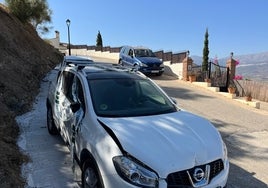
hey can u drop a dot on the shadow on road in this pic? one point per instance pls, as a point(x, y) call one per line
point(184, 94)
point(239, 148)
point(239, 177)
point(163, 77)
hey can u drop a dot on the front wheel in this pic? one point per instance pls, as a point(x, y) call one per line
point(51, 127)
point(90, 176)
point(159, 74)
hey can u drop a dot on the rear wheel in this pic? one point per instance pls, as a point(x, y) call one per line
point(90, 176)
point(51, 127)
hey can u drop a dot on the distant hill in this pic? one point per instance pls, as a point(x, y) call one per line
point(251, 66)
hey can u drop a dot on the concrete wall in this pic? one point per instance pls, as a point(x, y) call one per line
point(93, 53)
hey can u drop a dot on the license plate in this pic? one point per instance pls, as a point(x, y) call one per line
point(154, 71)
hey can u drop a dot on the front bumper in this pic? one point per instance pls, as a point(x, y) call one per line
point(149, 70)
point(115, 181)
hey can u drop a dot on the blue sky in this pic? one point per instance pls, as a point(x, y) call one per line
point(237, 26)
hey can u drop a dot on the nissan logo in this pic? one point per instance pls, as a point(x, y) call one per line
point(198, 174)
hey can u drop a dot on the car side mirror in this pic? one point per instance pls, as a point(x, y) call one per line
point(75, 107)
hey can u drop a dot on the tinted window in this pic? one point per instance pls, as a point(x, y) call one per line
point(128, 97)
point(144, 53)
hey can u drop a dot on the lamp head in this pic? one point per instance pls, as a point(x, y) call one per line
point(68, 22)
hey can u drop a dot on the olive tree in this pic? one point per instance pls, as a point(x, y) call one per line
point(35, 12)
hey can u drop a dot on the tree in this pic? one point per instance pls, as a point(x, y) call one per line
point(20, 8)
point(99, 41)
point(41, 15)
point(205, 53)
point(35, 12)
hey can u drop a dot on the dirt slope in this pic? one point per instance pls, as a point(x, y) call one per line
point(24, 60)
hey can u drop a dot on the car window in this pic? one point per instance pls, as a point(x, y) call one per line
point(128, 97)
point(77, 92)
point(68, 85)
point(80, 94)
point(149, 91)
point(130, 53)
point(144, 53)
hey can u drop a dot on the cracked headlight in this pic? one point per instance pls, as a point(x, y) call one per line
point(134, 173)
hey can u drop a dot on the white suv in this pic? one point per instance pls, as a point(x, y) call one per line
point(125, 131)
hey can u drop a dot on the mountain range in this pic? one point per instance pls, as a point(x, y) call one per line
point(251, 66)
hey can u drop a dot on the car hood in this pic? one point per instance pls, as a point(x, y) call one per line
point(169, 142)
point(149, 60)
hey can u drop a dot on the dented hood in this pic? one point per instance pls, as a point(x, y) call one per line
point(168, 142)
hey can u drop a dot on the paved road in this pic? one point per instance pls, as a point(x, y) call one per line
point(243, 128)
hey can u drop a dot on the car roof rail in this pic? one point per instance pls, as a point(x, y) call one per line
point(105, 66)
point(78, 63)
point(115, 67)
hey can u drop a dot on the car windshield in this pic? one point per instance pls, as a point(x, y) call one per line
point(144, 53)
point(128, 97)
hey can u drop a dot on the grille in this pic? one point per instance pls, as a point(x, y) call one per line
point(181, 179)
point(215, 168)
point(153, 65)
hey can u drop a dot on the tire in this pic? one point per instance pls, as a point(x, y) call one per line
point(90, 176)
point(120, 62)
point(51, 127)
point(159, 74)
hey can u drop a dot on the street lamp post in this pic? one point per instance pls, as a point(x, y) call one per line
point(68, 22)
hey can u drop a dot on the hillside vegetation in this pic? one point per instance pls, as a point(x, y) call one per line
point(24, 60)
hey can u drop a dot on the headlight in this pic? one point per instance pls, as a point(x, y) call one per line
point(143, 64)
point(134, 173)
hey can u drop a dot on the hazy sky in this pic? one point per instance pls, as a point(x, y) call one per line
point(239, 26)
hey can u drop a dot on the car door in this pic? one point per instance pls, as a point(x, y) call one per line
point(129, 57)
point(64, 99)
point(77, 100)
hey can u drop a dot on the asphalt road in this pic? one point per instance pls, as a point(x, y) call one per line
point(243, 128)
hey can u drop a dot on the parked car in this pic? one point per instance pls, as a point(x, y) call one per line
point(125, 131)
point(142, 59)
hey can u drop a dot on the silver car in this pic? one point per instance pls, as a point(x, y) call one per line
point(125, 131)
